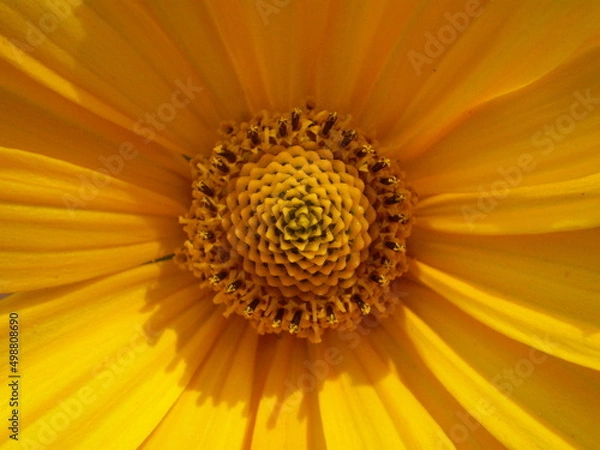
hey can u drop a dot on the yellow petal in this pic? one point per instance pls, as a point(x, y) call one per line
point(561, 206)
point(33, 229)
point(392, 342)
point(471, 53)
point(213, 411)
point(38, 120)
point(546, 131)
point(353, 411)
point(336, 58)
point(199, 32)
point(50, 237)
point(368, 355)
point(511, 389)
point(29, 178)
point(87, 56)
point(522, 286)
point(145, 334)
point(287, 409)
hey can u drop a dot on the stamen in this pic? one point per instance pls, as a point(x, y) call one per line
point(215, 279)
point(219, 164)
point(206, 235)
point(364, 308)
point(388, 181)
point(364, 151)
point(202, 187)
point(249, 309)
point(394, 246)
point(252, 134)
point(348, 136)
point(208, 204)
point(278, 318)
point(399, 218)
point(226, 153)
point(380, 165)
point(331, 319)
point(295, 323)
point(379, 279)
point(296, 112)
point(329, 123)
point(282, 127)
point(394, 198)
point(233, 286)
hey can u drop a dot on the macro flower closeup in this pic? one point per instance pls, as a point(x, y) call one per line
point(300, 224)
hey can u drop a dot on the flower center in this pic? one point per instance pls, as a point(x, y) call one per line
point(297, 223)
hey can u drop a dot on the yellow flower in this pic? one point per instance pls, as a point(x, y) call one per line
point(492, 111)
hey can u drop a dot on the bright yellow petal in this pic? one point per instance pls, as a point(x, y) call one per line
point(545, 208)
point(213, 411)
point(62, 223)
point(28, 228)
point(546, 131)
point(525, 287)
point(484, 50)
point(392, 342)
point(353, 411)
point(91, 144)
point(287, 409)
point(368, 352)
point(87, 60)
point(34, 179)
point(524, 397)
point(146, 330)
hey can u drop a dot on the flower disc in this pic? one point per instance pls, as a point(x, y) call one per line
point(297, 223)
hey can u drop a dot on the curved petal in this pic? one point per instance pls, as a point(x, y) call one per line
point(524, 397)
point(78, 398)
point(84, 52)
point(545, 208)
point(460, 55)
point(393, 342)
point(214, 410)
point(42, 200)
point(546, 131)
point(38, 121)
point(366, 354)
point(36, 229)
point(353, 412)
point(281, 61)
point(521, 286)
point(362, 399)
point(287, 409)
